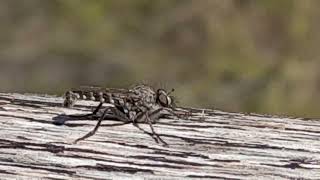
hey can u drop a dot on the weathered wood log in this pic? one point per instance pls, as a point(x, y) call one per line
point(208, 144)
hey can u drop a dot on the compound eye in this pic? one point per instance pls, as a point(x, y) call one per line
point(163, 99)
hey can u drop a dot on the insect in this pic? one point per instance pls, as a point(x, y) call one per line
point(140, 104)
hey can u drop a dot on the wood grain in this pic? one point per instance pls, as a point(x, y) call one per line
point(208, 144)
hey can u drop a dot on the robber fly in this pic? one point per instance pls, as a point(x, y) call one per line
point(140, 104)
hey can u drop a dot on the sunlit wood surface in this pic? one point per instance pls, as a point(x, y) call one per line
point(208, 144)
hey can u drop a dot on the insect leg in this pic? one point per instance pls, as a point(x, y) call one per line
point(144, 117)
point(97, 109)
point(140, 118)
point(152, 129)
point(87, 115)
point(150, 134)
point(160, 112)
point(104, 115)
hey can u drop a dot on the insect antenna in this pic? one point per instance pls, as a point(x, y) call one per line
point(172, 90)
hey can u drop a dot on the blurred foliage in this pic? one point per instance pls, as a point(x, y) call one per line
point(239, 55)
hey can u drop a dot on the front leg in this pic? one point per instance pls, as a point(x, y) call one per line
point(152, 117)
point(162, 111)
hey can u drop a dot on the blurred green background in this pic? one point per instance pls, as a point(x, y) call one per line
point(237, 55)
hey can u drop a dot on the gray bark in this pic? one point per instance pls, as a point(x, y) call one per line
point(208, 144)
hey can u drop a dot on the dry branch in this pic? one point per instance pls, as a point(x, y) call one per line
point(209, 144)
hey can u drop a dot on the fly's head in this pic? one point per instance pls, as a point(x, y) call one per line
point(164, 98)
